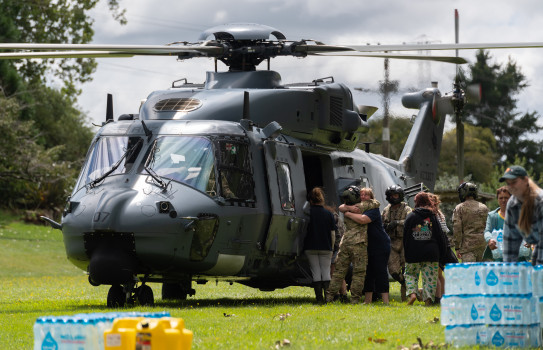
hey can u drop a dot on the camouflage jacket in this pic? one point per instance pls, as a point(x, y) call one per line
point(398, 215)
point(469, 222)
point(354, 232)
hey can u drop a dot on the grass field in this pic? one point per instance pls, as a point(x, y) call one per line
point(37, 280)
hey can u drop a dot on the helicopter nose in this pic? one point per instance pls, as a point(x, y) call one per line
point(111, 250)
point(112, 265)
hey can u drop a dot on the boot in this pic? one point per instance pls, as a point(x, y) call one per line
point(317, 286)
point(403, 292)
point(325, 285)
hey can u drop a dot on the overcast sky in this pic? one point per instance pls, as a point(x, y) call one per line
point(334, 22)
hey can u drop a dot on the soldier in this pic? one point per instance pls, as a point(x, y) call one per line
point(352, 249)
point(393, 221)
point(469, 221)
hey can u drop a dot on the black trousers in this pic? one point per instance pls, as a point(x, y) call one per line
point(377, 273)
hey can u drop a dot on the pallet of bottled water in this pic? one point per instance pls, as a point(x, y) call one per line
point(493, 304)
point(81, 331)
point(488, 278)
point(525, 336)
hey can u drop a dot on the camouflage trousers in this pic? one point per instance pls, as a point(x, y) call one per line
point(429, 272)
point(473, 255)
point(396, 261)
point(357, 254)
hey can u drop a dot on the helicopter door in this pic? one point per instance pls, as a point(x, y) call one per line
point(286, 183)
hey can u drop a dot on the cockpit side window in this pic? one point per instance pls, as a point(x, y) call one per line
point(235, 170)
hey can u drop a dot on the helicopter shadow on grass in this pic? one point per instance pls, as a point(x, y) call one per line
point(231, 302)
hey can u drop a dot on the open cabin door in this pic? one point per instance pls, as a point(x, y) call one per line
point(286, 183)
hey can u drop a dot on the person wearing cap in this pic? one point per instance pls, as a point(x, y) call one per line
point(469, 221)
point(523, 215)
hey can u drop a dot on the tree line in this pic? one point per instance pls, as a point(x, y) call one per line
point(45, 136)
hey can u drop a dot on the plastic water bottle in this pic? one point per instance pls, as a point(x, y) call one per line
point(514, 309)
point(537, 280)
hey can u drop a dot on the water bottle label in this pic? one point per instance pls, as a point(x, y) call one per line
point(498, 339)
point(495, 313)
point(492, 279)
point(49, 343)
point(474, 313)
point(477, 278)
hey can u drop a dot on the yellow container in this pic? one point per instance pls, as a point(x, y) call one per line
point(122, 335)
point(148, 333)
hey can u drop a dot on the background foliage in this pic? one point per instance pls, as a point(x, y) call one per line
point(46, 136)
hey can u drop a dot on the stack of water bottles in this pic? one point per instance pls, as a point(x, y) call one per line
point(81, 331)
point(492, 304)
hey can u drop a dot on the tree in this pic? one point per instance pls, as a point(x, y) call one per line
point(31, 176)
point(497, 112)
point(479, 153)
point(399, 131)
point(47, 21)
point(45, 136)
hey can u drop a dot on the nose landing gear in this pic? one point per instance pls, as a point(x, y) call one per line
point(127, 294)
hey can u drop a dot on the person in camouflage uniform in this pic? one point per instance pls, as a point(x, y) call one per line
point(469, 222)
point(353, 248)
point(394, 216)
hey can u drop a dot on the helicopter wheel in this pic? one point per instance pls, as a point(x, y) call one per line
point(145, 296)
point(116, 297)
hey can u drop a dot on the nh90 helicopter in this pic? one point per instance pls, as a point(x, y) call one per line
point(208, 182)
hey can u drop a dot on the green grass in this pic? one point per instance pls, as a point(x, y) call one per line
point(37, 280)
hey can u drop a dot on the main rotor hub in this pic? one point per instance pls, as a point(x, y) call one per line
point(246, 45)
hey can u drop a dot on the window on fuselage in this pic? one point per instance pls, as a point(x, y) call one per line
point(184, 159)
point(235, 170)
point(286, 193)
point(105, 152)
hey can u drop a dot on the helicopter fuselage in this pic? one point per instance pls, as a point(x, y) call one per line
point(210, 182)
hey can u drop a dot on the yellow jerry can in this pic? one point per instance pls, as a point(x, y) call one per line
point(148, 333)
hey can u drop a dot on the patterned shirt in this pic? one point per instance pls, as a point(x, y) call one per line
point(512, 236)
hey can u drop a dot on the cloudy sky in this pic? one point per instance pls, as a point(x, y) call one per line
point(333, 22)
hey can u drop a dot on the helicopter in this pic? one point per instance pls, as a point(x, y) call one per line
point(208, 181)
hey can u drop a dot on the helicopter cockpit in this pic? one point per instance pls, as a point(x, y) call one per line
point(192, 160)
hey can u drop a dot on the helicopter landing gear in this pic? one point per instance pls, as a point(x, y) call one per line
point(116, 297)
point(177, 291)
point(119, 296)
point(144, 293)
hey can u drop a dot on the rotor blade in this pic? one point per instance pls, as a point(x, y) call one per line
point(312, 49)
point(463, 46)
point(447, 59)
point(125, 49)
point(66, 54)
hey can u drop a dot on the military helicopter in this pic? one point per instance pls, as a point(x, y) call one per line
point(208, 181)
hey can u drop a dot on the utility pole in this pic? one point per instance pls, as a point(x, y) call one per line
point(387, 87)
point(458, 114)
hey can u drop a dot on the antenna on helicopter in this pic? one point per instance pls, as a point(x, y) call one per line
point(109, 108)
point(246, 104)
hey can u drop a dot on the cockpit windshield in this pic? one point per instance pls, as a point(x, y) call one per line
point(109, 155)
point(185, 159)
